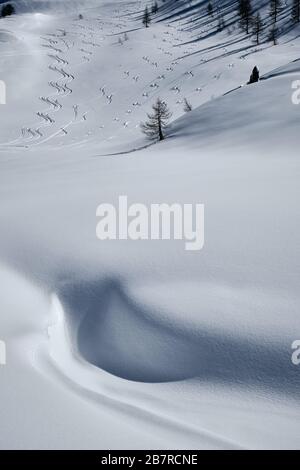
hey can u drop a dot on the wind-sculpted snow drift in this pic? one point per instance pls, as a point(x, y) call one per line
point(114, 332)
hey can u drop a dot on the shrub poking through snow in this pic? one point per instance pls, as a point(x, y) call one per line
point(187, 107)
point(221, 22)
point(157, 122)
point(7, 10)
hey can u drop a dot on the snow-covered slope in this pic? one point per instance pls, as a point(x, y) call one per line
point(128, 344)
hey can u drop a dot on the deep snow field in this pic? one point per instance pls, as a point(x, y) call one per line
point(142, 344)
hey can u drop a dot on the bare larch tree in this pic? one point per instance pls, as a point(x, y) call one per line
point(157, 122)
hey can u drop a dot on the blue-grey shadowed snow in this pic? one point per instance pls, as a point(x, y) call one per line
point(115, 333)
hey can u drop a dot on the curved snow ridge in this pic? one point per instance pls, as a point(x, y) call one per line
point(287, 69)
point(60, 361)
point(113, 332)
point(7, 35)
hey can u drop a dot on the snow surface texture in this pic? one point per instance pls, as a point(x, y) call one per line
point(127, 344)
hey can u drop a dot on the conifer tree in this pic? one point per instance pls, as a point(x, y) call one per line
point(254, 77)
point(155, 126)
point(245, 14)
point(146, 18)
point(273, 34)
point(210, 9)
point(275, 8)
point(257, 27)
point(154, 8)
point(7, 10)
point(296, 11)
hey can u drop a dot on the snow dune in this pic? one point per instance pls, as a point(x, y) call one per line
point(114, 332)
